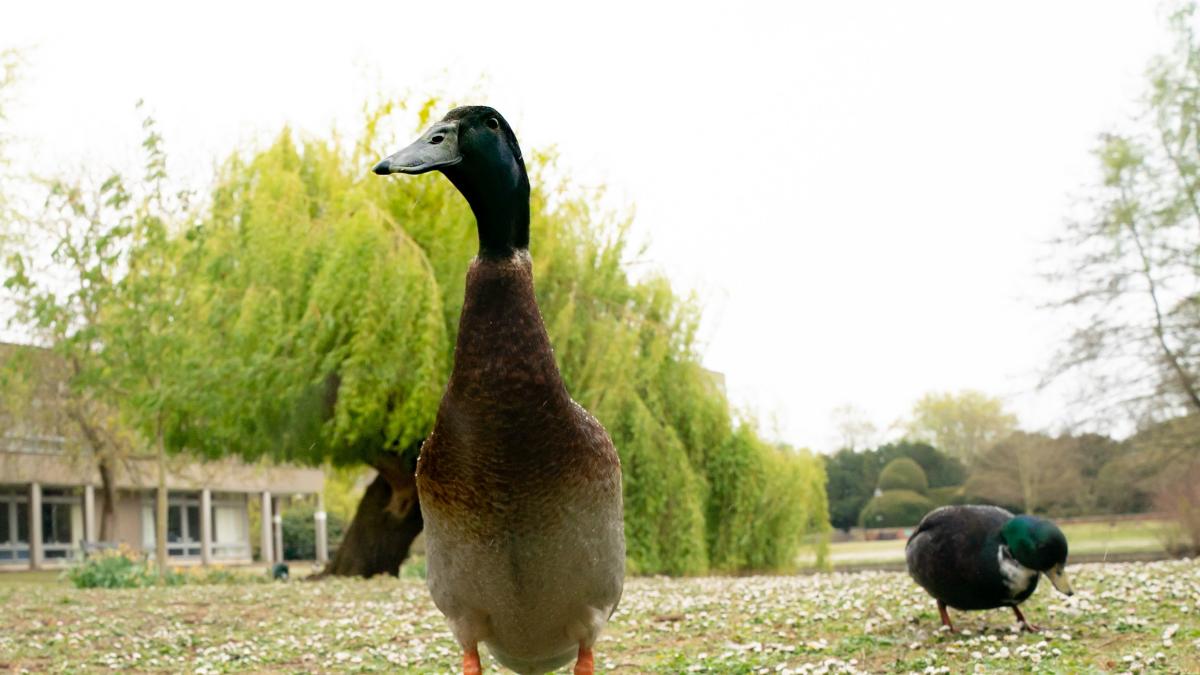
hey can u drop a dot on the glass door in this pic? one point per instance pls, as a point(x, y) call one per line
point(14, 525)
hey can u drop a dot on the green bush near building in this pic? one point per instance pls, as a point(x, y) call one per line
point(299, 532)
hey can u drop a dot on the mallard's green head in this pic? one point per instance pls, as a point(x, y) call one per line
point(1039, 545)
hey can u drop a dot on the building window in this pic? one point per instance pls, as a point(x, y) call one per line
point(183, 524)
point(230, 527)
point(62, 523)
point(14, 525)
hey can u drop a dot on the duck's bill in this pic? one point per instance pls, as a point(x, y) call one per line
point(435, 149)
point(1058, 577)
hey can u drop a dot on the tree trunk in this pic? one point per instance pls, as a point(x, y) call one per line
point(160, 509)
point(385, 524)
point(105, 454)
point(108, 511)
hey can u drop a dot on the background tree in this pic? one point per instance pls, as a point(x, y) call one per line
point(1133, 281)
point(854, 428)
point(850, 483)
point(1033, 473)
point(142, 329)
point(9, 58)
point(1134, 273)
point(1105, 471)
point(962, 425)
point(322, 311)
point(93, 279)
point(64, 264)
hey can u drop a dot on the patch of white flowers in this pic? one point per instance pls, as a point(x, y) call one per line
point(828, 623)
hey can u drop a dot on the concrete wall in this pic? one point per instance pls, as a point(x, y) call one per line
point(75, 469)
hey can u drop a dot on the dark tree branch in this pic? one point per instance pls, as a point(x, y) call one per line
point(1185, 380)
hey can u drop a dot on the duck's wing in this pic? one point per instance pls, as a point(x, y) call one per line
point(961, 517)
point(932, 520)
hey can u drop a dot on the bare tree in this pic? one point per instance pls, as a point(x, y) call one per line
point(1032, 471)
point(854, 428)
point(1133, 276)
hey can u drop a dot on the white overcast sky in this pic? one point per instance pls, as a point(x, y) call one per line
point(859, 191)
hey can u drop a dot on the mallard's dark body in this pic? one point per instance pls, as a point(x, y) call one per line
point(955, 554)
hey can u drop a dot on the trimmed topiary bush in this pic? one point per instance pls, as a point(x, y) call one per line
point(945, 496)
point(895, 508)
point(903, 473)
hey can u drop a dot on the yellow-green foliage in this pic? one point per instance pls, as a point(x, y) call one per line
point(763, 500)
point(320, 277)
point(344, 487)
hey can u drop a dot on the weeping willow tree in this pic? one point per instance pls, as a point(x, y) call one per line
point(323, 318)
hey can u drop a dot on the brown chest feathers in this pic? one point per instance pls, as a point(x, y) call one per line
point(507, 432)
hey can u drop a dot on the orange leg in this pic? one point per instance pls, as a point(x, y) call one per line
point(471, 665)
point(945, 616)
point(585, 664)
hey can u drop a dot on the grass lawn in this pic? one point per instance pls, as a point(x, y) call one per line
point(1123, 617)
point(27, 579)
point(1085, 539)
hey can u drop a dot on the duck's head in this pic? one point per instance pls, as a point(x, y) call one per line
point(1039, 545)
point(477, 150)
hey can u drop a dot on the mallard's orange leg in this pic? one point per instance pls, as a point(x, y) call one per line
point(471, 665)
point(585, 664)
point(945, 616)
point(1025, 624)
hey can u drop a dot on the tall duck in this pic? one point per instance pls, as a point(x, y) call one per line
point(519, 486)
point(982, 557)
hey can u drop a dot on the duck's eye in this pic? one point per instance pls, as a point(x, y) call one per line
point(437, 139)
point(493, 123)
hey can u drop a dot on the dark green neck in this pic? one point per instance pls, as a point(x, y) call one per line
point(499, 199)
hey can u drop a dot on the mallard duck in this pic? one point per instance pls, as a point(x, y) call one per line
point(520, 487)
point(982, 557)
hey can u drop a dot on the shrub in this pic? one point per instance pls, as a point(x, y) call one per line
point(903, 473)
point(122, 567)
point(116, 568)
point(895, 508)
point(1179, 497)
point(300, 533)
point(945, 496)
